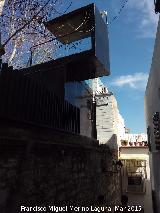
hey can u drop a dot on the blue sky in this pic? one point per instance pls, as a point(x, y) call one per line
point(131, 38)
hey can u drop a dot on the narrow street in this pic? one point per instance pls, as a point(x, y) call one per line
point(79, 109)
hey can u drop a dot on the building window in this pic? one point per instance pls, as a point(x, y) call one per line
point(103, 90)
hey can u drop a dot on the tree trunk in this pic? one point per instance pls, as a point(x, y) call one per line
point(1, 6)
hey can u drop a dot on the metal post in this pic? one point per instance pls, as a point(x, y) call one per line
point(0, 55)
point(94, 129)
point(30, 61)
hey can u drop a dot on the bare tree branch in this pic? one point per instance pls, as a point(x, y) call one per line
point(22, 28)
point(25, 25)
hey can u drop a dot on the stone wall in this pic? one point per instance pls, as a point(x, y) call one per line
point(42, 167)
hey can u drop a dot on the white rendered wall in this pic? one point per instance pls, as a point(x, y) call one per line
point(109, 122)
point(152, 105)
point(144, 199)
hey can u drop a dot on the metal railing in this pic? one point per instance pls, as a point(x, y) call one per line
point(24, 99)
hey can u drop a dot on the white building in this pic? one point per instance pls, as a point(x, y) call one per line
point(134, 154)
point(121, 128)
point(109, 122)
point(136, 139)
point(152, 112)
point(132, 148)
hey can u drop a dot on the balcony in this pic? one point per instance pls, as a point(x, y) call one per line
point(125, 143)
point(84, 25)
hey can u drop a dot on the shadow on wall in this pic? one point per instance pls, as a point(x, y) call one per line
point(112, 142)
point(148, 200)
point(154, 200)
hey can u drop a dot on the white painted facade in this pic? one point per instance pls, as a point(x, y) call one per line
point(111, 130)
point(109, 122)
point(152, 106)
point(134, 154)
point(135, 139)
point(85, 117)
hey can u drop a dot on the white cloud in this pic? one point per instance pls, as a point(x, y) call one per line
point(147, 19)
point(136, 81)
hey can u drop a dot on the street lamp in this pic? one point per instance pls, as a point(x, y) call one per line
point(116, 167)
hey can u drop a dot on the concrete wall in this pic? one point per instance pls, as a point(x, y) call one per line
point(152, 94)
point(152, 105)
point(110, 124)
point(41, 167)
point(86, 122)
point(105, 119)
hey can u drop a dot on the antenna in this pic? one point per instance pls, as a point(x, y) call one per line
point(104, 16)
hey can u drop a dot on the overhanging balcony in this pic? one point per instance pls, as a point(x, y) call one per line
point(85, 25)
